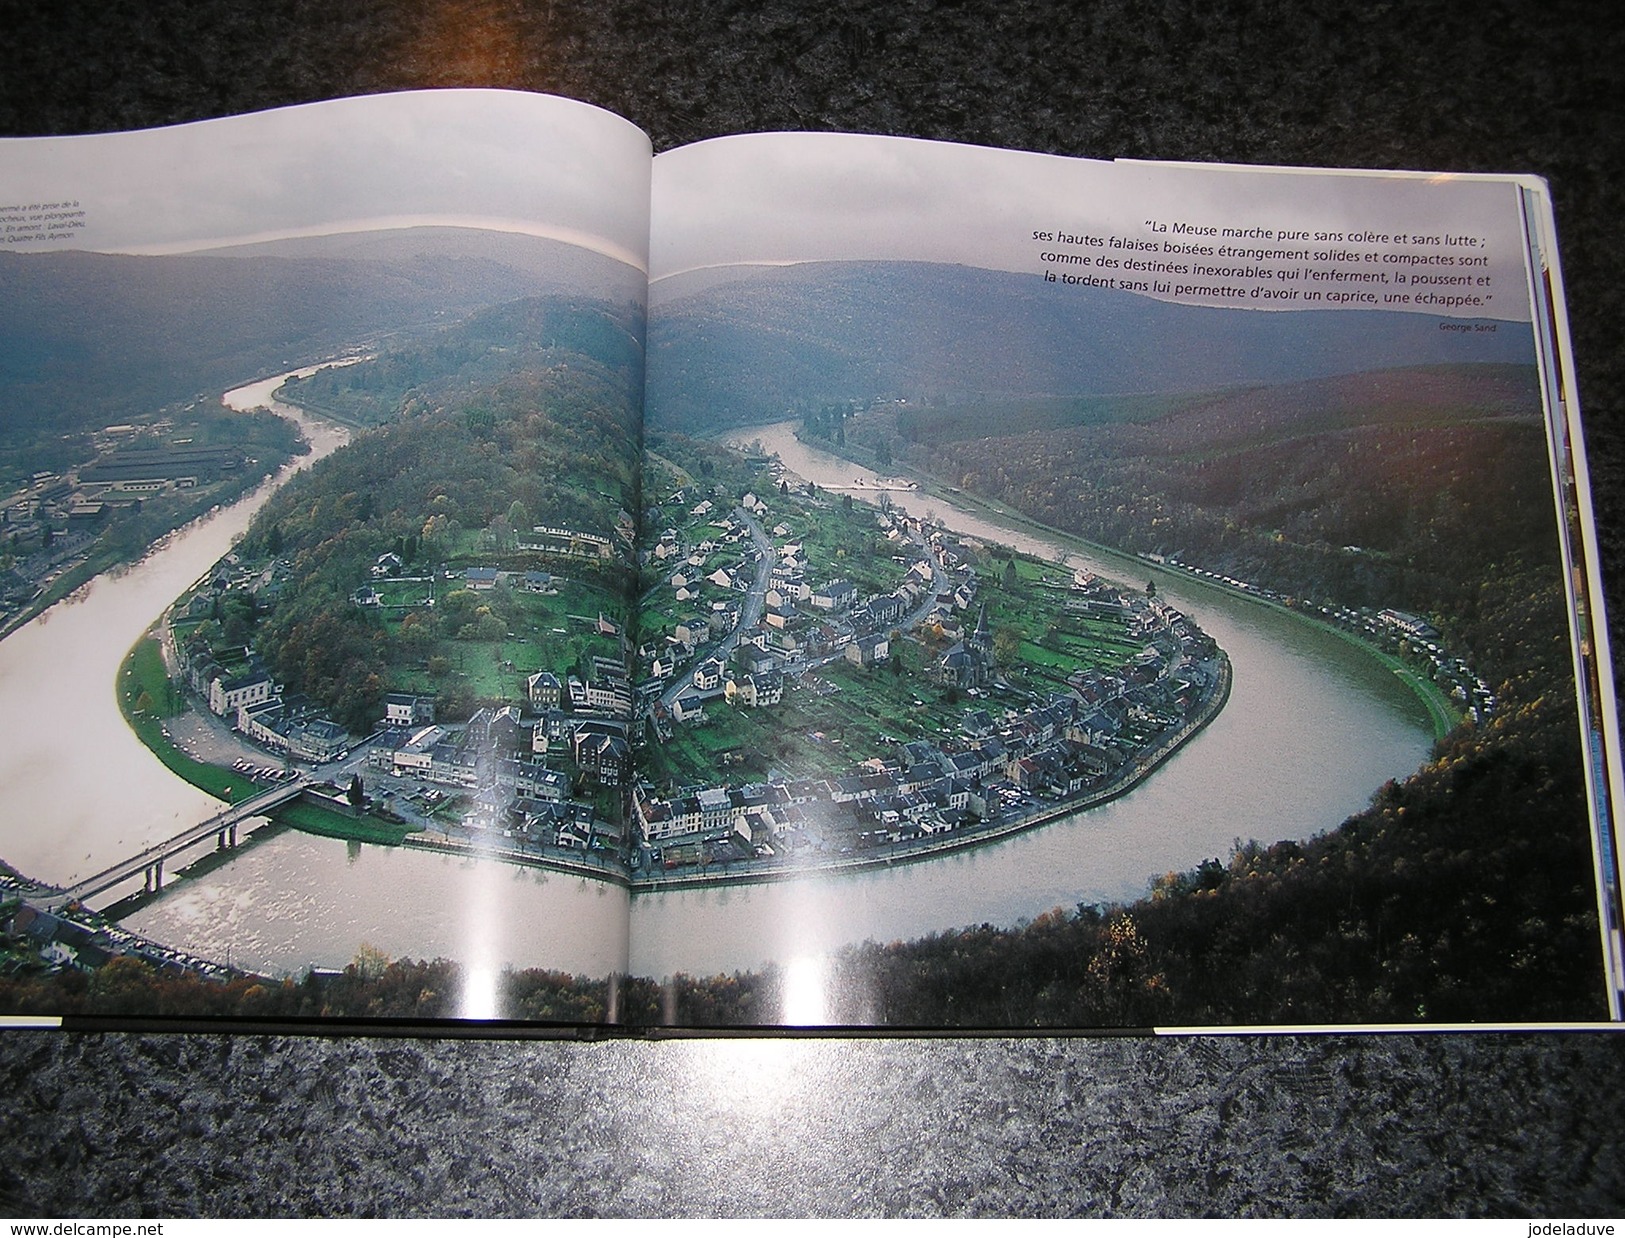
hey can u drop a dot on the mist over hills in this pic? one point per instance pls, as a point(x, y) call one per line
point(726, 352)
point(87, 337)
point(498, 256)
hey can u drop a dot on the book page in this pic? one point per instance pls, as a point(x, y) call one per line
point(1097, 595)
point(336, 409)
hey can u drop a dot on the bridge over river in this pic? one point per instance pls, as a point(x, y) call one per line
point(150, 863)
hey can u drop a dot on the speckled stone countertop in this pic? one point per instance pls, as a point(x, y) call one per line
point(1425, 1124)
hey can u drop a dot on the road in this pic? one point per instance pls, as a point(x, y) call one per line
point(750, 610)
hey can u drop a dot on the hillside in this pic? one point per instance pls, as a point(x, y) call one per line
point(524, 415)
point(732, 352)
point(1424, 488)
point(87, 339)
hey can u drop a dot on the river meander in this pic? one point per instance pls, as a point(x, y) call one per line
point(82, 792)
point(1312, 727)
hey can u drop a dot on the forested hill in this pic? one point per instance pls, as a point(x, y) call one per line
point(86, 338)
point(1418, 488)
point(527, 414)
point(480, 353)
point(727, 352)
point(1467, 892)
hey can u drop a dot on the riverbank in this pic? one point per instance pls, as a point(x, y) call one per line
point(70, 581)
point(756, 872)
point(1444, 717)
point(103, 554)
point(149, 699)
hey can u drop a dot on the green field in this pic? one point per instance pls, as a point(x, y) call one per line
point(1054, 642)
point(525, 633)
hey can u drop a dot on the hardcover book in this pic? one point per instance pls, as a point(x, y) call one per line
point(462, 569)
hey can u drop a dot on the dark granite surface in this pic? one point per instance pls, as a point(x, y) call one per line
point(1413, 1124)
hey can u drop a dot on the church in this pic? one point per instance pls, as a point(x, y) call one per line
point(969, 664)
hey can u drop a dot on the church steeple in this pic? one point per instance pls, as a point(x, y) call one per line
point(982, 640)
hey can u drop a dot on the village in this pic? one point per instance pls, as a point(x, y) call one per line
point(52, 518)
point(59, 526)
point(811, 683)
point(536, 772)
point(645, 762)
point(901, 719)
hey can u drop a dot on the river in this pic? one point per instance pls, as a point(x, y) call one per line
point(1313, 726)
point(82, 792)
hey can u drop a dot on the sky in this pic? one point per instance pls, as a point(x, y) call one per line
point(481, 158)
point(776, 198)
point(514, 161)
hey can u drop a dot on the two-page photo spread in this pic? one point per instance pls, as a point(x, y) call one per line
point(459, 567)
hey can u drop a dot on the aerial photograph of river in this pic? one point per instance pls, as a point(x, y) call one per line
point(1313, 726)
point(539, 529)
point(290, 901)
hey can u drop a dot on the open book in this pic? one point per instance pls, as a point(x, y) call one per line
point(794, 580)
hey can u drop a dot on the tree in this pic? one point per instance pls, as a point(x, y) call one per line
point(486, 625)
point(237, 615)
point(1120, 981)
point(356, 794)
point(370, 962)
point(1007, 644)
point(501, 533)
point(414, 635)
point(123, 986)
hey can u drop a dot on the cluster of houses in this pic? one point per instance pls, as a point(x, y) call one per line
point(1077, 742)
point(49, 520)
point(505, 760)
point(236, 685)
point(60, 513)
point(39, 940)
point(479, 579)
point(503, 764)
point(1397, 629)
point(126, 469)
point(802, 618)
point(1067, 746)
point(501, 761)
